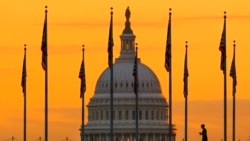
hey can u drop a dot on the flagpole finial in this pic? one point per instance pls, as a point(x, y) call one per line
point(136, 46)
point(170, 11)
point(46, 9)
point(186, 44)
point(225, 14)
point(111, 10)
point(83, 47)
point(25, 47)
point(234, 43)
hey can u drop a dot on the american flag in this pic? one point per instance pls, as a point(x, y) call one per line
point(110, 42)
point(44, 44)
point(24, 73)
point(82, 77)
point(222, 48)
point(233, 73)
point(168, 47)
point(186, 74)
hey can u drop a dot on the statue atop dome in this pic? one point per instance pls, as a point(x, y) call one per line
point(127, 14)
point(127, 29)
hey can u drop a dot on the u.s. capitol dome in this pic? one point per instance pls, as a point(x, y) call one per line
point(152, 105)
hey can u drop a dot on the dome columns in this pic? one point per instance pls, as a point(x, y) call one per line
point(127, 46)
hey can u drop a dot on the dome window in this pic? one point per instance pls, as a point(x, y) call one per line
point(133, 115)
point(101, 115)
point(107, 115)
point(152, 115)
point(96, 115)
point(140, 115)
point(126, 115)
point(120, 115)
point(146, 115)
point(127, 45)
point(157, 115)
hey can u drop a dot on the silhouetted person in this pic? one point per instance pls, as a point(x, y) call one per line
point(204, 132)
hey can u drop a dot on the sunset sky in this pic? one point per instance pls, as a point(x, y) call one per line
point(76, 22)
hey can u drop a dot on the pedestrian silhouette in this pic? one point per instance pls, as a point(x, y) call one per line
point(203, 132)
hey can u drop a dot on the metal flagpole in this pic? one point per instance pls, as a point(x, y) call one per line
point(82, 90)
point(234, 106)
point(233, 117)
point(82, 134)
point(168, 63)
point(170, 79)
point(24, 75)
point(223, 67)
point(225, 84)
point(186, 74)
point(170, 103)
point(136, 92)
point(24, 126)
point(111, 102)
point(186, 113)
point(46, 74)
point(110, 62)
point(233, 75)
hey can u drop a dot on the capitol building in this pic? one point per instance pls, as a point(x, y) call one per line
point(152, 105)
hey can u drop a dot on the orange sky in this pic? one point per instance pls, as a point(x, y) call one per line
point(73, 23)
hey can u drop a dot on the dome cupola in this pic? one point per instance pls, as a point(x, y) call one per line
point(123, 81)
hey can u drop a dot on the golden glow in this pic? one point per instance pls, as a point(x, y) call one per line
point(73, 23)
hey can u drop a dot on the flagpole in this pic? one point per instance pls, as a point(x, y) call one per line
point(82, 134)
point(168, 66)
point(170, 83)
point(82, 95)
point(46, 81)
point(186, 112)
point(136, 94)
point(111, 102)
point(110, 62)
point(234, 91)
point(186, 92)
point(225, 84)
point(233, 117)
point(24, 95)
